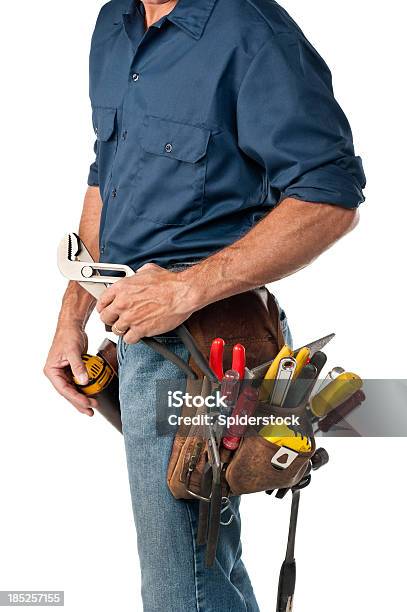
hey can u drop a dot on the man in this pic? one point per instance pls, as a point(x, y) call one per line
point(220, 144)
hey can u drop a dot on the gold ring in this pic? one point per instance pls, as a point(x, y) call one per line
point(118, 332)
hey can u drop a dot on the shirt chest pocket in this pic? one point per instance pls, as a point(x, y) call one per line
point(171, 180)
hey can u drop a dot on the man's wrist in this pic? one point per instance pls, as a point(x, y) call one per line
point(66, 322)
point(201, 291)
point(195, 294)
point(219, 277)
point(77, 307)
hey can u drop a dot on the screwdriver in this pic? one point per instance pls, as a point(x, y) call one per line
point(245, 407)
point(332, 375)
point(319, 360)
point(302, 358)
point(230, 388)
point(334, 394)
point(302, 387)
point(341, 412)
point(268, 382)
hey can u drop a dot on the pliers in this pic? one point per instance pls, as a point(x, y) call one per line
point(210, 508)
point(76, 264)
point(216, 359)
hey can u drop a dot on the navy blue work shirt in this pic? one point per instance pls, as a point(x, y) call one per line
point(207, 121)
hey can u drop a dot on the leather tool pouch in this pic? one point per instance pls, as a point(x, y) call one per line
point(260, 465)
point(254, 320)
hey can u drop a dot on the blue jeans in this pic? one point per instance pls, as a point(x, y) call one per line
point(173, 574)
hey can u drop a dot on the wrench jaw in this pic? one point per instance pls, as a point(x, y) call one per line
point(67, 251)
point(71, 253)
point(74, 246)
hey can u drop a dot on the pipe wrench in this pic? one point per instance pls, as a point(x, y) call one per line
point(77, 264)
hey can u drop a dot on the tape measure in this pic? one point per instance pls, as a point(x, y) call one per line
point(284, 436)
point(100, 375)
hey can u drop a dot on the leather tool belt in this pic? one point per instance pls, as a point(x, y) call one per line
point(200, 468)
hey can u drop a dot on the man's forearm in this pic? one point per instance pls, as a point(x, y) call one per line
point(288, 239)
point(77, 304)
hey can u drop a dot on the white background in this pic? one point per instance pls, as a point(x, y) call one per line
point(65, 514)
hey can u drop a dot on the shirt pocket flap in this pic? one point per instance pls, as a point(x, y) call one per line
point(104, 120)
point(186, 143)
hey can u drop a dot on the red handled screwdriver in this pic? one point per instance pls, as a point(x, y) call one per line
point(245, 406)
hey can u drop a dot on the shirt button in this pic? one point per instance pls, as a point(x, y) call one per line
point(124, 135)
point(168, 147)
point(114, 192)
point(135, 77)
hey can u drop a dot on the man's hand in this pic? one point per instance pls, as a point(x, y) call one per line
point(152, 302)
point(65, 361)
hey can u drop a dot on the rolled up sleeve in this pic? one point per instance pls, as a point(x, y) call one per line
point(290, 123)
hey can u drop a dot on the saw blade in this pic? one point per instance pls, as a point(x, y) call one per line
point(317, 345)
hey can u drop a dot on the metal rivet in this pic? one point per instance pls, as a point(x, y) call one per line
point(87, 271)
point(168, 147)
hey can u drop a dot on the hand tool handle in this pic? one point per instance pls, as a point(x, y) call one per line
point(245, 406)
point(319, 360)
point(337, 392)
point(239, 360)
point(230, 388)
point(162, 350)
point(286, 585)
point(335, 416)
point(188, 340)
point(302, 358)
point(302, 387)
point(284, 378)
point(216, 357)
point(268, 382)
point(319, 459)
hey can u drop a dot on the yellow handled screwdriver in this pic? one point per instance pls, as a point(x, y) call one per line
point(268, 381)
point(302, 358)
point(335, 394)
